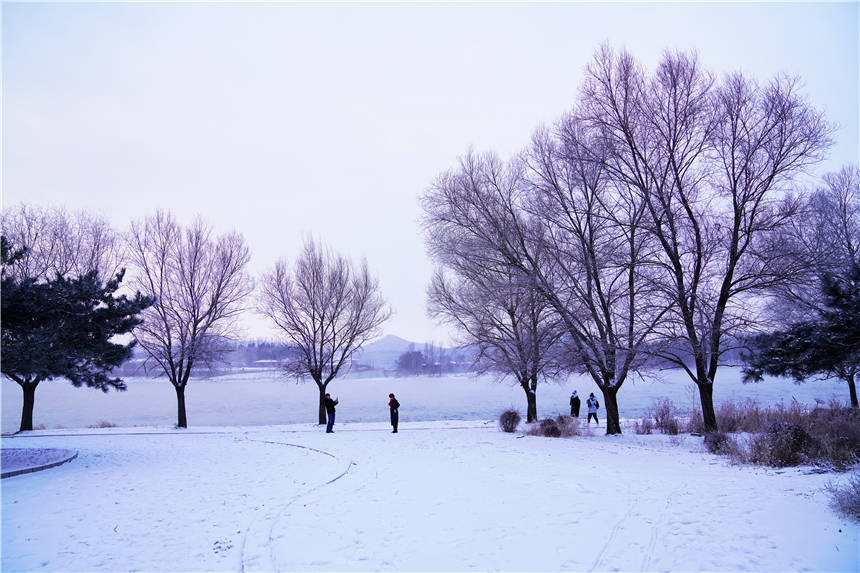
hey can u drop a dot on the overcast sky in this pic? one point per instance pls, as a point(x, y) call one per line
point(281, 120)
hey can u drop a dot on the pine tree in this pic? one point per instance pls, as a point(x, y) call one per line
point(63, 327)
point(828, 346)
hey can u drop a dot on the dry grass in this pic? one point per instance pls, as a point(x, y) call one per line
point(845, 499)
point(558, 427)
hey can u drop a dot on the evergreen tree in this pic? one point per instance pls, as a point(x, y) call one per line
point(63, 327)
point(829, 346)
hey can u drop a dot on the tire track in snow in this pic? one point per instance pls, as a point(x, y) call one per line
point(273, 516)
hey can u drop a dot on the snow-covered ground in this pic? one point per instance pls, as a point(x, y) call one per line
point(436, 496)
point(254, 484)
point(265, 398)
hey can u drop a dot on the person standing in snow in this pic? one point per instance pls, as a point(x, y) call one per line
point(593, 405)
point(395, 416)
point(574, 404)
point(329, 408)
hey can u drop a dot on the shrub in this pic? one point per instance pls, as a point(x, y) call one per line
point(509, 420)
point(567, 425)
point(836, 431)
point(739, 416)
point(103, 424)
point(783, 444)
point(549, 428)
point(789, 435)
point(666, 417)
point(671, 426)
point(644, 426)
point(695, 422)
point(731, 417)
point(561, 426)
point(845, 499)
point(720, 443)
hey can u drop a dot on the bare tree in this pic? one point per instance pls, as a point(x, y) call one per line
point(710, 162)
point(599, 276)
point(554, 220)
point(508, 321)
point(58, 243)
point(199, 282)
point(327, 307)
point(823, 240)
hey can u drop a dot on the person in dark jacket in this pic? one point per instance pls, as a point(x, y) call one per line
point(329, 408)
point(574, 405)
point(395, 416)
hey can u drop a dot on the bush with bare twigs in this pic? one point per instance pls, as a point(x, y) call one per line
point(845, 499)
point(558, 427)
point(509, 420)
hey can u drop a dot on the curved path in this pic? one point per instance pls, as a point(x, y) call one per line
point(258, 552)
point(294, 498)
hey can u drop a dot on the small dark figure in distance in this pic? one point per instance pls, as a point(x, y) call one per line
point(329, 408)
point(574, 405)
point(395, 416)
point(593, 405)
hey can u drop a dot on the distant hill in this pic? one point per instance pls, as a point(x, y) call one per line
point(383, 353)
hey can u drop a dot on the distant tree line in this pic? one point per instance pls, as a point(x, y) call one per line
point(433, 360)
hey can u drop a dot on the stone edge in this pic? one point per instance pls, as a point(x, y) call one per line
point(32, 469)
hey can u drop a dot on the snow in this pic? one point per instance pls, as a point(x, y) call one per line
point(255, 485)
point(436, 496)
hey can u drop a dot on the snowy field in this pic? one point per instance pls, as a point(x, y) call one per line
point(266, 398)
point(254, 485)
point(438, 496)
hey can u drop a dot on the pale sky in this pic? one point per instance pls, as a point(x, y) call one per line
point(281, 120)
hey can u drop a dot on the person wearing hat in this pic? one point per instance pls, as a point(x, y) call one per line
point(593, 405)
point(329, 408)
point(574, 404)
point(395, 416)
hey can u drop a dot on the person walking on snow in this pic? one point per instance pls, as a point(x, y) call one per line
point(329, 408)
point(593, 405)
point(395, 416)
point(574, 405)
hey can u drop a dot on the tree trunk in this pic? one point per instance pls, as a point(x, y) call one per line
point(322, 412)
point(27, 410)
point(181, 420)
point(610, 401)
point(852, 390)
point(531, 406)
point(706, 396)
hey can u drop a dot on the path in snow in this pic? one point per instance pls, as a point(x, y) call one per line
point(484, 500)
point(294, 498)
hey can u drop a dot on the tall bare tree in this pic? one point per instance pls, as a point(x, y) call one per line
point(327, 307)
point(555, 220)
point(199, 282)
point(711, 162)
point(600, 272)
point(59, 243)
point(506, 319)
